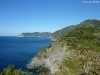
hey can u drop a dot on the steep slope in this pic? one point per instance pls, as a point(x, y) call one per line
point(76, 53)
point(89, 22)
point(83, 56)
point(49, 57)
point(59, 33)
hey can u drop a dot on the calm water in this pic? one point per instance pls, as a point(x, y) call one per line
point(19, 50)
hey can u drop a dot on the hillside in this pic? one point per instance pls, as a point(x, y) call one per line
point(59, 33)
point(62, 32)
point(74, 53)
point(90, 22)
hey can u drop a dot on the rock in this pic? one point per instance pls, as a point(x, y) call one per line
point(49, 57)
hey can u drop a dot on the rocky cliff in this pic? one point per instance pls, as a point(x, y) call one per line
point(49, 57)
point(76, 53)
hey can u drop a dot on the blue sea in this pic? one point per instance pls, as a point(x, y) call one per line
point(20, 50)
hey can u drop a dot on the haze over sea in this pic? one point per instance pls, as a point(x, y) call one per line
point(19, 50)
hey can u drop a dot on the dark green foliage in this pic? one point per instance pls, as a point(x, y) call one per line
point(59, 33)
point(43, 70)
point(84, 36)
point(50, 45)
point(90, 23)
point(11, 70)
point(83, 33)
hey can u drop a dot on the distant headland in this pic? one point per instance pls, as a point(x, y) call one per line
point(36, 34)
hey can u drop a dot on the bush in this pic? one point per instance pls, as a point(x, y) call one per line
point(11, 70)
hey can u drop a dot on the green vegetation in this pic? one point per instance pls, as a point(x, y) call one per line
point(11, 70)
point(43, 70)
point(83, 54)
point(87, 23)
point(84, 44)
point(59, 33)
point(83, 36)
point(90, 22)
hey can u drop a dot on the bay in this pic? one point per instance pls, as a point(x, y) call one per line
point(20, 50)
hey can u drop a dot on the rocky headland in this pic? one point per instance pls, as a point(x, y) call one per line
point(49, 57)
point(75, 52)
point(35, 34)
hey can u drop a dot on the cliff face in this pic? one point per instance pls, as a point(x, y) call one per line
point(49, 57)
point(61, 60)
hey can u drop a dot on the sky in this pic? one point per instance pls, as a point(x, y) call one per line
point(18, 16)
